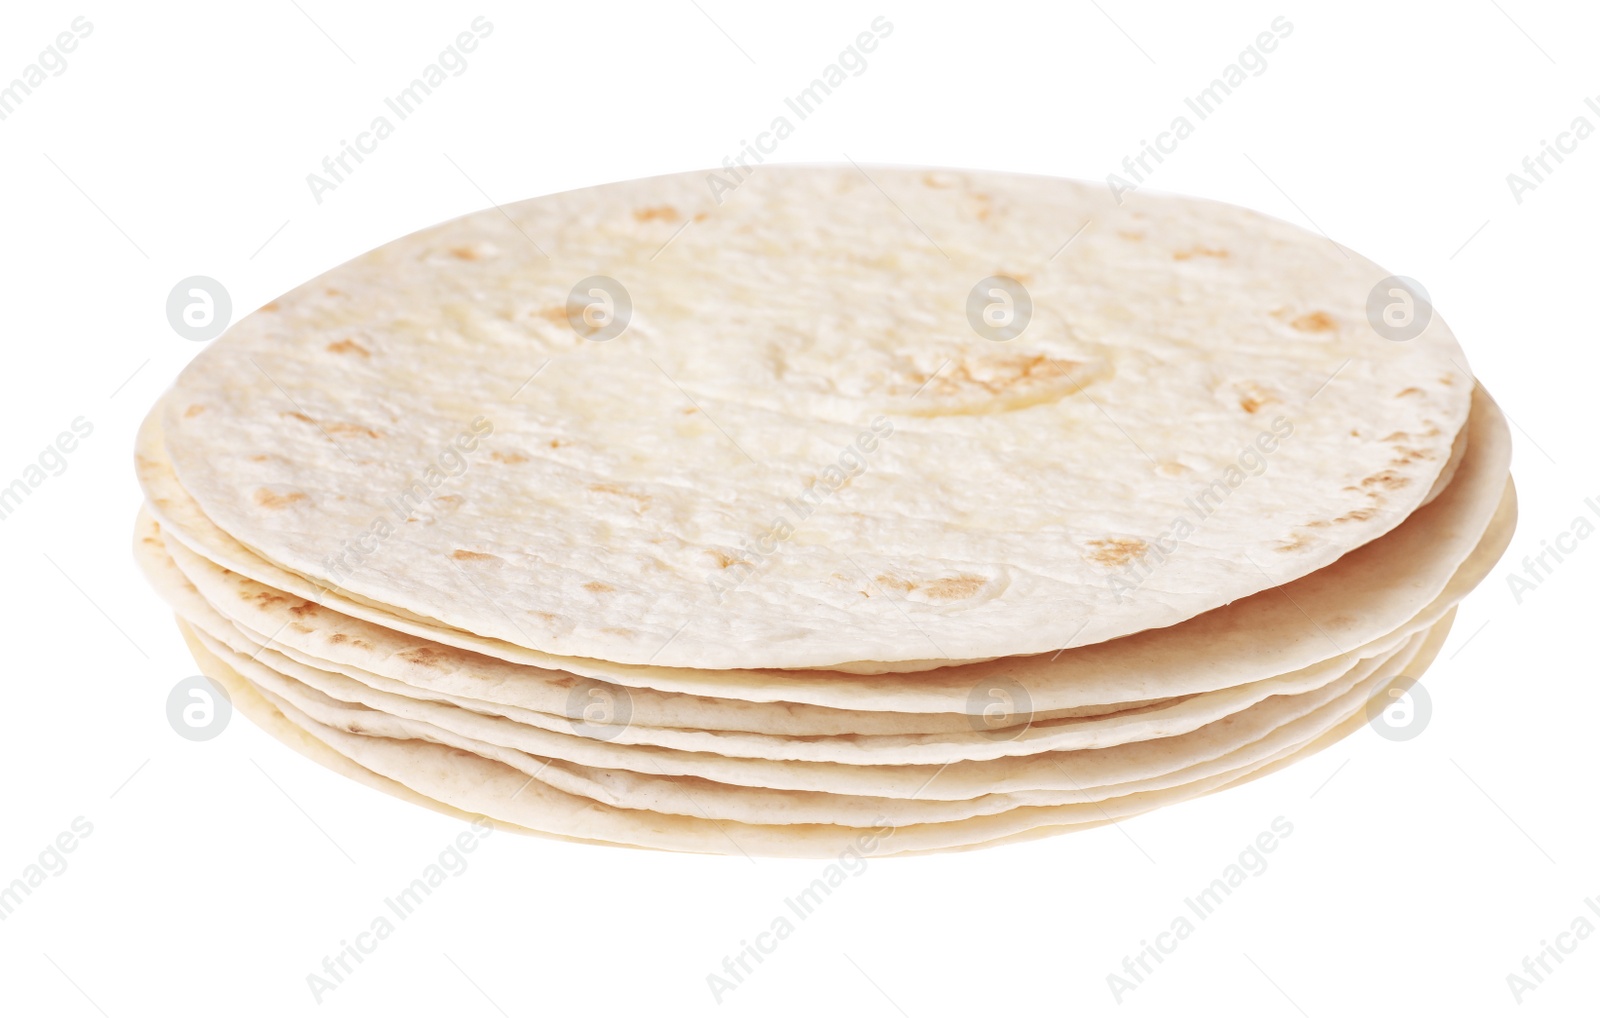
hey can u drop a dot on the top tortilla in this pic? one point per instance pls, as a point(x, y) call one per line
point(677, 495)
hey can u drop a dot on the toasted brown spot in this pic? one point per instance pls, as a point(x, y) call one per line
point(1398, 436)
point(462, 555)
point(423, 655)
point(642, 501)
point(303, 609)
point(691, 410)
point(508, 457)
point(555, 443)
point(1357, 514)
point(1253, 397)
point(297, 415)
point(1299, 541)
point(338, 638)
point(297, 627)
point(1447, 379)
point(331, 292)
point(994, 375)
point(1411, 391)
point(700, 217)
point(349, 346)
point(1116, 551)
point(887, 580)
point(1316, 321)
point(265, 598)
point(466, 254)
point(360, 644)
point(596, 587)
point(929, 180)
point(1406, 456)
point(724, 560)
point(194, 410)
point(953, 588)
point(1199, 251)
point(1387, 479)
point(345, 428)
point(666, 212)
point(272, 500)
point(260, 457)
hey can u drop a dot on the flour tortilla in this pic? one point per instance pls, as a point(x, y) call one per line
point(959, 781)
point(1165, 718)
point(1349, 726)
point(1364, 596)
point(1047, 779)
point(954, 782)
point(599, 511)
point(303, 631)
point(454, 778)
point(1136, 726)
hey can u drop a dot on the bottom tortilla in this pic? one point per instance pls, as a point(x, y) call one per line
point(455, 782)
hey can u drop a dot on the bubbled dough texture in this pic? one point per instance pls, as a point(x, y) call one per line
point(616, 486)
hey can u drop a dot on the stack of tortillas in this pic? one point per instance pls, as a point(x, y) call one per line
point(914, 510)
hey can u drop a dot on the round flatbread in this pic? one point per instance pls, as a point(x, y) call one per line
point(855, 419)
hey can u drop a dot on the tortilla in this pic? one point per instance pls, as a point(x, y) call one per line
point(367, 432)
point(1363, 597)
point(461, 781)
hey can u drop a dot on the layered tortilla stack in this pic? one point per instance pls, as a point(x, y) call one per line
point(914, 510)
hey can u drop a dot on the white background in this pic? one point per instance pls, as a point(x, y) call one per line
point(218, 874)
